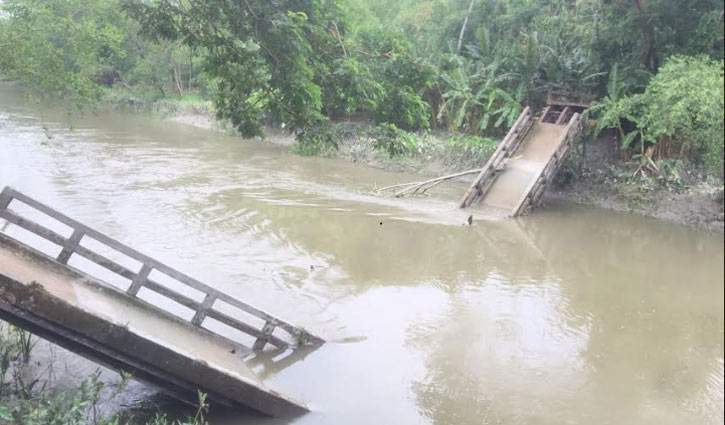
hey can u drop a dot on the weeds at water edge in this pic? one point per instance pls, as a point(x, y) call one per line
point(25, 398)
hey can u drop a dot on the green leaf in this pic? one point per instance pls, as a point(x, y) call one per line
point(628, 139)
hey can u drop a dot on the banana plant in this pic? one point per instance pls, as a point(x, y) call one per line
point(474, 94)
point(610, 109)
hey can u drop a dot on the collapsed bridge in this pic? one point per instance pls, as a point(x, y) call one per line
point(525, 162)
point(196, 339)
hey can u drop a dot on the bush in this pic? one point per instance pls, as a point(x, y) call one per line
point(318, 140)
point(684, 101)
point(463, 151)
point(473, 145)
point(681, 108)
point(25, 399)
point(392, 140)
point(403, 107)
point(61, 409)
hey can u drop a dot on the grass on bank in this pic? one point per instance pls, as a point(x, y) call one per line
point(389, 147)
point(27, 399)
point(157, 104)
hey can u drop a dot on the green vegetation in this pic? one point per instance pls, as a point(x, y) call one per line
point(69, 51)
point(679, 116)
point(409, 64)
point(681, 110)
point(390, 139)
point(684, 103)
point(25, 398)
point(463, 66)
point(316, 141)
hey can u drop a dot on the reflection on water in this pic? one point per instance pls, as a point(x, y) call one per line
point(490, 332)
point(571, 315)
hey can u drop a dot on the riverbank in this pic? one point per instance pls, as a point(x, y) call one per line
point(696, 202)
point(191, 108)
point(597, 178)
point(596, 175)
point(593, 175)
point(41, 383)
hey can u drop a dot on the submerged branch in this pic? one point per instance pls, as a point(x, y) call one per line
point(421, 187)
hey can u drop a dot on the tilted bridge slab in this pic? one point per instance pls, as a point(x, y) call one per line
point(517, 173)
point(114, 327)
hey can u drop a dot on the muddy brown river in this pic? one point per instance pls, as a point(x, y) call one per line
point(572, 315)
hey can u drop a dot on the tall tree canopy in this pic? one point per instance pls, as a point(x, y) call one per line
point(462, 65)
point(59, 48)
point(270, 58)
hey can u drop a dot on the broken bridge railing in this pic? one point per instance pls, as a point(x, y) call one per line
point(503, 151)
point(202, 310)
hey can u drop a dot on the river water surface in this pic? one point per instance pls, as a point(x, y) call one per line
point(569, 316)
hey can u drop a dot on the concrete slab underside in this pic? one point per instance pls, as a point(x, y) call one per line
point(121, 332)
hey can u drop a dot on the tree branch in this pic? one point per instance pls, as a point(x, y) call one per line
point(420, 188)
point(463, 28)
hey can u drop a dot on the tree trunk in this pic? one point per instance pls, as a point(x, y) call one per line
point(650, 57)
point(191, 67)
point(177, 80)
point(463, 28)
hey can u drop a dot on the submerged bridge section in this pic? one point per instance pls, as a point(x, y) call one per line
point(514, 178)
point(163, 326)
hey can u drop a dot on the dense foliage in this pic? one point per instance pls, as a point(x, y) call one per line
point(653, 67)
point(58, 48)
point(684, 102)
point(67, 51)
point(461, 65)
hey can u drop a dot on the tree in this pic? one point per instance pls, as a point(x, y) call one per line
point(646, 32)
point(268, 58)
point(684, 102)
point(463, 27)
point(58, 49)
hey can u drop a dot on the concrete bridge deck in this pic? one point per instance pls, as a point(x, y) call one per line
point(525, 161)
point(119, 330)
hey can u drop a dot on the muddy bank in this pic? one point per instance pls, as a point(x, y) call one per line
point(190, 109)
point(700, 206)
point(595, 175)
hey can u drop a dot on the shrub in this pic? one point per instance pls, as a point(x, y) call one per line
point(684, 101)
point(473, 145)
point(682, 104)
point(403, 107)
point(392, 140)
point(463, 151)
point(317, 140)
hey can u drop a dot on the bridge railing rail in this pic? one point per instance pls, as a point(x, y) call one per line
point(505, 149)
point(203, 309)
